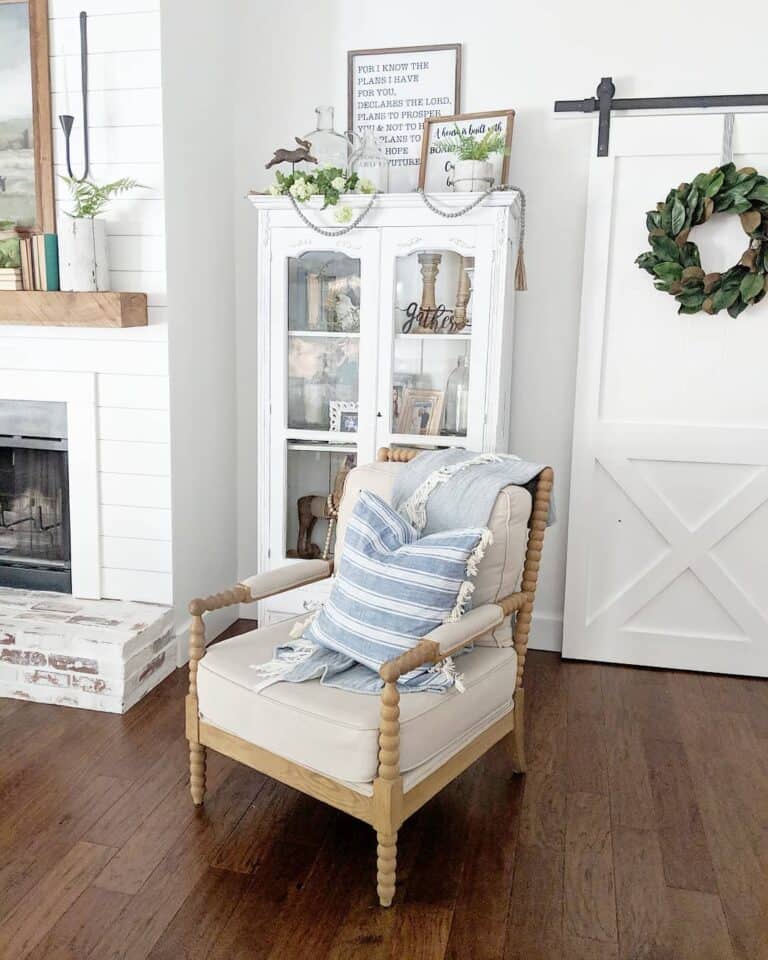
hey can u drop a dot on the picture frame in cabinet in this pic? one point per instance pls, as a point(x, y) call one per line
point(344, 415)
point(421, 413)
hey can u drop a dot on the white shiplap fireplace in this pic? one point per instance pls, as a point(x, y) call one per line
point(93, 648)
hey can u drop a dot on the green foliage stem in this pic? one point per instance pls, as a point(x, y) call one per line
point(467, 147)
point(90, 200)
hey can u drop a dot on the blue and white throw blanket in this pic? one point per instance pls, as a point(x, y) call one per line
point(445, 488)
point(382, 601)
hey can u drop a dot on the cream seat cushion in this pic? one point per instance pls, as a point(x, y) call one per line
point(498, 572)
point(335, 732)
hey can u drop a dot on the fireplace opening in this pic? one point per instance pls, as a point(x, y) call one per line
point(34, 496)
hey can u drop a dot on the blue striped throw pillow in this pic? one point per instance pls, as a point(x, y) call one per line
point(392, 587)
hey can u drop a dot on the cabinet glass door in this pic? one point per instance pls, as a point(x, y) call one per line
point(434, 339)
point(323, 376)
point(313, 473)
point(323, 338)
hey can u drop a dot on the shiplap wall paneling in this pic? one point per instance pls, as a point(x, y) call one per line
point(148, 523)
point(125, 130)
point(133, 392)
point(144, 459)
point(126, 489)
point(148, 426)
point(147, 586)
point(131, 553)
point(131, 366)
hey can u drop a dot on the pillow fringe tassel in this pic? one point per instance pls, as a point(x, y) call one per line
point(298, 629)
point(465, 592)
point(479, 552)
point(274, 670)
point(448, 669)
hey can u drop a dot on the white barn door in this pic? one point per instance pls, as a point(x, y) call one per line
point(668, 526)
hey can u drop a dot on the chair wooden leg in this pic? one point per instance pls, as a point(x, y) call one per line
point(196, 772)
point(386, 867)
point(517, 737)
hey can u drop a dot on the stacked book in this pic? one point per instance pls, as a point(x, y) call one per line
point(28, 261)
point(10, 279)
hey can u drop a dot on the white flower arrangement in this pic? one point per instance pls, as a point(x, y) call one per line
point(328, 182)
point(343, 213)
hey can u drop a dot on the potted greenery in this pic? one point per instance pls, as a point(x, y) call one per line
point(472, 169)
point(83, 263)
point(329, 183)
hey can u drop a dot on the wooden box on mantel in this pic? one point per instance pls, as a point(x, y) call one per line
point(63, 309)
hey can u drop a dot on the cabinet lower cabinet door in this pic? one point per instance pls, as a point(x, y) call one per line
point(295, 603)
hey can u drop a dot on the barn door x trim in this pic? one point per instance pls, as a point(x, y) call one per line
point(667, 540)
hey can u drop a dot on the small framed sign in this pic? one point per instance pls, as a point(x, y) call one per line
point(437, 162)
point(391, 92)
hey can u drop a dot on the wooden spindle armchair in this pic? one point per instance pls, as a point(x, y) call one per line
point(378, 759)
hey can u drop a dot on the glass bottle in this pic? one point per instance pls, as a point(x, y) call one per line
point(456, 401)
point(316, 393)
point(329, 148)
point(369, 161)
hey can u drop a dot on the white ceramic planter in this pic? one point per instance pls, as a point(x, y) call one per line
point(470, 176)
point(83, 263)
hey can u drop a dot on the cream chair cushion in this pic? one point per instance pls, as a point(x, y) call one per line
point(335, 732)
point(499, 571)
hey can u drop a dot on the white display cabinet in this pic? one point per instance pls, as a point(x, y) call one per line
point(397, 333)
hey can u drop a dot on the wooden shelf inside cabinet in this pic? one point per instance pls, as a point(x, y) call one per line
point(62, 309)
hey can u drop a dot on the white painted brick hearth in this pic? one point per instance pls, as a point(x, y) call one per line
point(97, 654)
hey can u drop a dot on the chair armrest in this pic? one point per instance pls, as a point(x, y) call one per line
point(264, 585)
point(444, 640)
point(451, 637)
point(287, 578)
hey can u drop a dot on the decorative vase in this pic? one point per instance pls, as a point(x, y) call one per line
point(471, 176)
point(369, 161)
point(314, 302)
point(83, 263)
point(329, 148)
point(456, 401)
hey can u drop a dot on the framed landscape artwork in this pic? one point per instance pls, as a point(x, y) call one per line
point(26, 162)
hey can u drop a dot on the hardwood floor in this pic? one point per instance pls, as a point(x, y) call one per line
point(639, 833)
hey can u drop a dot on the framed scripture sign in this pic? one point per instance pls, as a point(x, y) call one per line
point(441, 137)
point(392, 91)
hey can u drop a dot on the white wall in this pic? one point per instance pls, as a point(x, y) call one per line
point(131, 365)
point(282, 74)
point(198, 80)
point(523, 56)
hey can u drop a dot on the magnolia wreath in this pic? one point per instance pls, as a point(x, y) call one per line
point(674, 259)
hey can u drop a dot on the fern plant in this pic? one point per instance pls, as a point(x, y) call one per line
point(466, 147)
point(90, 199)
